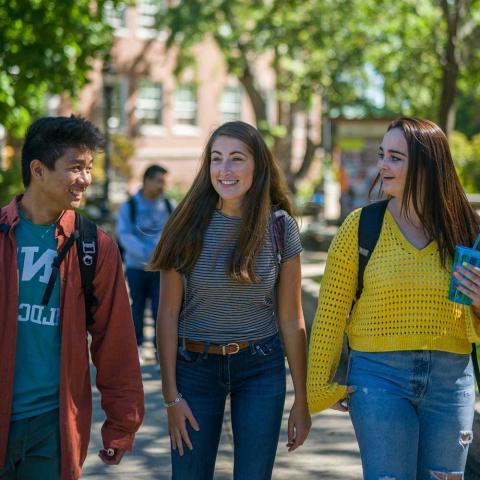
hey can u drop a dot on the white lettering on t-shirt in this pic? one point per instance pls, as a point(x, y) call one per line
point(38, 314)
point(26, 316)
point(32, 267)
point(53, 320)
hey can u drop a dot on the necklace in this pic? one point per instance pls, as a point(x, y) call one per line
point(47, 231)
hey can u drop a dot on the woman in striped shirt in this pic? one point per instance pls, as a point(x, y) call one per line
point(230, 278)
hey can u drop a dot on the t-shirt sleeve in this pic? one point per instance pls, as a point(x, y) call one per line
point(293, 245)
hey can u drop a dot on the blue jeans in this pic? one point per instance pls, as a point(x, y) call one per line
point(143, 285)
point(33, 450)
point(412, 412)
point(255, 380)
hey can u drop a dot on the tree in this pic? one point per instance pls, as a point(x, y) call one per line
point(427, 53)
point(466, 156)
point(46, 48)
point(302, 41)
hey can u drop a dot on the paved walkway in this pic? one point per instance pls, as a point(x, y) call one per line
point(330, 452)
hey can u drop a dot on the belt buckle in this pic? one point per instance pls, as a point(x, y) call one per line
point(224, 349)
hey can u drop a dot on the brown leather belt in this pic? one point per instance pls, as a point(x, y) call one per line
point(228, 349)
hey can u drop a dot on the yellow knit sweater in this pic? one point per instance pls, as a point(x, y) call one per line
point(403, 306)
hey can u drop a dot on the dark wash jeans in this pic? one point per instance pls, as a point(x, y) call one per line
point(143, 285)
point(255, 380)
point(33, 451)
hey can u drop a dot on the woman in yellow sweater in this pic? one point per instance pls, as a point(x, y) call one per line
point(410, 387)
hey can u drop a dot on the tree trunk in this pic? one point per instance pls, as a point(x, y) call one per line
point(447, 108)
point(307, 161)
point(258, 103)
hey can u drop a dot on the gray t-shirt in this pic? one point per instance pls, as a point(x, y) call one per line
point(218, 309)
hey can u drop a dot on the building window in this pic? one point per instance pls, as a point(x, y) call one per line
point(149, 107)
point(231, 104)
point(116, 15)
point(147, 11)
point(118, 121)
point(185, 106)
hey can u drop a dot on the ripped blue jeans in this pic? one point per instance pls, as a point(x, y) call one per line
point(255, 380)
point(412, 412)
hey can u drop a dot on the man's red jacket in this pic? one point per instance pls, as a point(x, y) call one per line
point(113, 347)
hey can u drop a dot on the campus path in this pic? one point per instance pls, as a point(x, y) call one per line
point(330, 452)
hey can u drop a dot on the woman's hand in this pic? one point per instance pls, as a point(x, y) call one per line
point(342, 404)
point(177, 425)
point(468, 278)
point(299, 423)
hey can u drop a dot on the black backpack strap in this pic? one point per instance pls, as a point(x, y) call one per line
point(56, 266)
point(87, 250)
point(169, 205)
point(476, 369)
point(133, 210)
point(369, 227)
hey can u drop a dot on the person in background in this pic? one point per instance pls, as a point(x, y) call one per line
point(46, 397)
point(410, 386)
point(139, 225)
point(228, 284)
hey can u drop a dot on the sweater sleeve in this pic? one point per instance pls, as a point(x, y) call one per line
point(337, 293)
point(473, 325)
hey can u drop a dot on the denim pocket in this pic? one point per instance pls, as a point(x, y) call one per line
point(189, 358)
point(268, 347)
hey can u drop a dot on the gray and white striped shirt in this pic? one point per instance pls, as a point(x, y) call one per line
point(218, 309)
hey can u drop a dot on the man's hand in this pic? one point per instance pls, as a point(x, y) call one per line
point(111, 456)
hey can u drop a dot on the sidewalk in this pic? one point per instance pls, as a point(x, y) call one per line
point(330, 452)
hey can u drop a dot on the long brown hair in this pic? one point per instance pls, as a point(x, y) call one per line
point(433, 188)
point(182, 238)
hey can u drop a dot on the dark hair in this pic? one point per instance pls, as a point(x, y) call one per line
point(153, 170)
point(182, 238)
point(433, 188)
point(48, 138)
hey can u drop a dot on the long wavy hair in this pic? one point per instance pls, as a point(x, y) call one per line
point(433, 188)
point(182, 238)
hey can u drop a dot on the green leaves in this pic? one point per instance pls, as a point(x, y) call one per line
point(46, 48)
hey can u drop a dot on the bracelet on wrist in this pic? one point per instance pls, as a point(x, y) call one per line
point(173, 402)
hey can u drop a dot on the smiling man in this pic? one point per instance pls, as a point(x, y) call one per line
point(45, 406)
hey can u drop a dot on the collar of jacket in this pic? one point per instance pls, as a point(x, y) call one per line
point(10, 216)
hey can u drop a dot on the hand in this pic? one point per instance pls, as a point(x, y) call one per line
point(468, 278)
point(177, 425)
point(299, 423)
point(342, 404)
point(111, 456)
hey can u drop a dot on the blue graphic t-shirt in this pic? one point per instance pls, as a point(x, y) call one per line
point(37, 363)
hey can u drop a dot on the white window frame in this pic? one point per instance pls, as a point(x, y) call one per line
point(153, 103)
point(116, 17)
point(231, 104)
point(146, 12)
point(119, 97)
point(185, 110)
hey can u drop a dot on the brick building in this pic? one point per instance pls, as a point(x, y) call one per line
point(168, 119)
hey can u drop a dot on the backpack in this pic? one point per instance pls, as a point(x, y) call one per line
point(133, 217)
point(278, 233)
point(369, 227)
point(85, 236)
